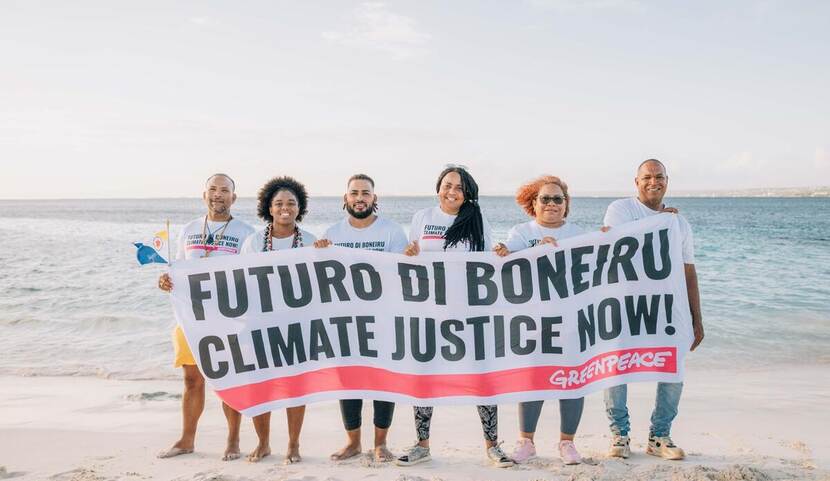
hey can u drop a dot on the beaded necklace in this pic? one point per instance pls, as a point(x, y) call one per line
point(268, 246)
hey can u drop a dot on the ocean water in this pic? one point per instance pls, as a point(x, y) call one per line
point(74, 301)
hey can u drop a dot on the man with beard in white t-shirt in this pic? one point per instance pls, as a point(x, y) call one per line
point(217, 233)
point(364, 229)
point(651, 182)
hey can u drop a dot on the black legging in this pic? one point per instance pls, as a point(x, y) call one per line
point(350, 410)
point(489, 416)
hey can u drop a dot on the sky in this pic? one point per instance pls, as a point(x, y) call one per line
point(147, 99)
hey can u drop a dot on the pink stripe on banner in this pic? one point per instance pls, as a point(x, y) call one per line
point(212, 248)
point(538, 378)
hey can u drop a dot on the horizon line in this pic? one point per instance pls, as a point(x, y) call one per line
point(684, 195)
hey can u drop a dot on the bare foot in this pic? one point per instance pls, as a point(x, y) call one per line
point(232, 452)
point(383, 455)
point(292, 456)
point(177, 450)
point(348, 452)
point(260, 452)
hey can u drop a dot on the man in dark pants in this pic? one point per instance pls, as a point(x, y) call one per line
point(363, 229)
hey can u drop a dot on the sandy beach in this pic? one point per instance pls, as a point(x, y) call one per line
point(762, 425)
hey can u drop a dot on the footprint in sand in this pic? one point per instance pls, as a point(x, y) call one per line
point(211, 476)
point(79, 474)
point(404, 477)
point(799, 446)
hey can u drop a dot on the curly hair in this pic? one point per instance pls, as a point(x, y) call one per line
point(527, 193)
point(272, 187)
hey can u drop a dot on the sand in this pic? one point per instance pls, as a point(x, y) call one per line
point(761, 425)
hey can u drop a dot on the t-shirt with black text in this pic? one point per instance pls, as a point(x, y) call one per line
point(429, 226)
point(196, 240)
point(381, 235)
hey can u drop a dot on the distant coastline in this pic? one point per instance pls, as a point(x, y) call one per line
point(821, 191)
point(781, 192)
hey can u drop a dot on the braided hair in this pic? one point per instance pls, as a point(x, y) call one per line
point(468, 225)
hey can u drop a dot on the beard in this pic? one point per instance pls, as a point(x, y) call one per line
point(358, 214)
point(218, 208)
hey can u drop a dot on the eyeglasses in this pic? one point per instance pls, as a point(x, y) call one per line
point(556, 199)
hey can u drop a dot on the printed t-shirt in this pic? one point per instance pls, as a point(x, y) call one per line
point(622, 211)
point(530, 234)
point(194, 239)
point(429, 226)
point(382, 235)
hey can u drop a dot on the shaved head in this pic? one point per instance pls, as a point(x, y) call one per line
point(648, 161)
point(233, 184)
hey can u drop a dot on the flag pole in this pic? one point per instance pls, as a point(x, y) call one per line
point(169, 259)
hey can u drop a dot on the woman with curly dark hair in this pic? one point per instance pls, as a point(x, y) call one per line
point(282, 203)
point(455, 224)
point(547, 201)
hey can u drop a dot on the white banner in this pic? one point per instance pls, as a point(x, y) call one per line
point(295, 326)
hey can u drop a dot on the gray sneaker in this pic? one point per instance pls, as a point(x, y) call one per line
point(414, 455)
point(498, 458)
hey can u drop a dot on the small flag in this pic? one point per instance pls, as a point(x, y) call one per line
point(160, 241)
point(148, 254)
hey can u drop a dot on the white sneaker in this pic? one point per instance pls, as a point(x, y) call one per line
point(498, 458)
point(620, 447)
point(414, 455)
point(664, 447)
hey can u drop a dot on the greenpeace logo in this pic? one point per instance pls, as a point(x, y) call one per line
point(613, 364)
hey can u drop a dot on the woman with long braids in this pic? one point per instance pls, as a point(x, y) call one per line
point(546, 200)
point(282, 203)
point(456, 224)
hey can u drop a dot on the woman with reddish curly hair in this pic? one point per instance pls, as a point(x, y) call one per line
point(545, 199)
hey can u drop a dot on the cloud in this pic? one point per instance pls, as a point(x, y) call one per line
point(375, 27)
point(587, 5)
point(202, 21)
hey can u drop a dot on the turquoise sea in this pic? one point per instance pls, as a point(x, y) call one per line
point(75, 302)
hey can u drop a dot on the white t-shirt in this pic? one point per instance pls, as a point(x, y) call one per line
point(530, 234)
point(194, 239)
point(628, 210)
point(256, 241)
point(430, 224)
point(382, 235)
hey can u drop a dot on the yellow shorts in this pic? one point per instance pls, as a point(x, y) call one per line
point(183, 356)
